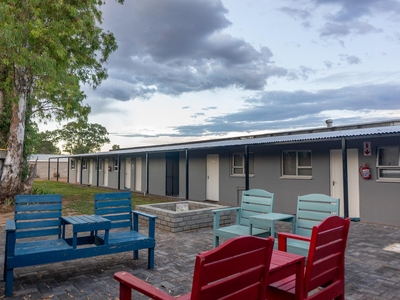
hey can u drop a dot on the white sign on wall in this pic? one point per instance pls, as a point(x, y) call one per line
point(367, 149)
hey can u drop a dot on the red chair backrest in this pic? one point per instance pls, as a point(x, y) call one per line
point(325, 263)
point(237, 269)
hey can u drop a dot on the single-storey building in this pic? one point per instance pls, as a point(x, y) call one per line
point(360, 164)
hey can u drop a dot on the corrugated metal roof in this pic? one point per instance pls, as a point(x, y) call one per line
point(288, 137)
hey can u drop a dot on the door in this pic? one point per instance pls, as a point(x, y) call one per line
point(138, 174)
point(128, 173)
point(336, 174)
point(105, 174)
point(212, 192)
point(172, 174)
point(78, 171)
point(90, 171)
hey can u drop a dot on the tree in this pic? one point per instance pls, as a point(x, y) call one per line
point(115, 147)
point(82, 137)
point(45, 143)
point(48, 48)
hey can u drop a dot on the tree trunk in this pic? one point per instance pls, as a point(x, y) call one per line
point(10, 180)
point(26, 186)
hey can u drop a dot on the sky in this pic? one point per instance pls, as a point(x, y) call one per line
point(204, 69)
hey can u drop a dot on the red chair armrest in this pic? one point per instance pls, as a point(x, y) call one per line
point(128, 280)
point(283, 236)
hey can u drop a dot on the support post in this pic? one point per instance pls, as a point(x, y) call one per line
point(147, 173)
point(345, 179)
point(187, 174)
point(247, 167)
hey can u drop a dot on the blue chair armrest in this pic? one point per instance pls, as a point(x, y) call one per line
point(144, 214)
point(217, 212)
point(152, 222)
point(10, 239)
point(225, 209)
point(10, 225)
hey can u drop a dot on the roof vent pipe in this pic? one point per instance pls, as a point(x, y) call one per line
point(329, 123)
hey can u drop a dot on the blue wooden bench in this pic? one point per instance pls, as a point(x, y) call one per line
point(35, 236)
point(254, 202)
point(312, 209)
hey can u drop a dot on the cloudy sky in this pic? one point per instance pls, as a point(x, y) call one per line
point(202, 69)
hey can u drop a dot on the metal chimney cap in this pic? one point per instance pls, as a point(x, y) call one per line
point(329, 122)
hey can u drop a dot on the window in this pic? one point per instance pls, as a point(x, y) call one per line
point(72, 164)
point(388, 163)
point(84, 164)
point(116, 164)
point(296, 163)
point(238, 164)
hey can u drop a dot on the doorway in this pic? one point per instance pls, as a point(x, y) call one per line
point(78, 171)
point(212, 189)
point(336, 184)
point(138, 174)
point(105, 174)
point(128, 173)
point(172, 174)
point(90, 171)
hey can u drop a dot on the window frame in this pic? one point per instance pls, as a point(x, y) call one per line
point(243, 166)
point(298, 167)
point(389, 167)
point(73, 164)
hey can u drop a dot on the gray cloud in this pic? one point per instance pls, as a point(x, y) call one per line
point(209, 108)
point(328, 64)
point(354, 10)
point(347, 28)
point(295, 13)
point(346, 17)
point(197, 115)
point(272, 110)
point(301, 73)
point(177, 46)
point(351, 59)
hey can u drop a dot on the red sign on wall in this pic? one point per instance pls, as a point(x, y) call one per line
point(367, 148)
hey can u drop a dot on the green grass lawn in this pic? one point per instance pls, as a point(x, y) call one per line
point(78, 199)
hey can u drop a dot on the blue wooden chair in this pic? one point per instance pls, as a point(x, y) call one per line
point(124, 233)
point(312, 209)
point(33, 237)
point(254, 202)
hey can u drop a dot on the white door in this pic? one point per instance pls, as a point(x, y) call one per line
point(128, 173)
point(212, 177)
point(78, 171)
point(138, 174)
point(90, 171)
point(336, 174)
point(105, 174)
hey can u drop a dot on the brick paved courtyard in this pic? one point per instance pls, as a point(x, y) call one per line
point(372, 267)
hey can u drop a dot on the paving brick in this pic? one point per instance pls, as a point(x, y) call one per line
point(371, 271)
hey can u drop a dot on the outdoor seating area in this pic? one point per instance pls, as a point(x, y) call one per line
point(37, 234)
point(366, 270)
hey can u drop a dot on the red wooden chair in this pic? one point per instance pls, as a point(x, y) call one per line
point(237, 269)
point(324, 271)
